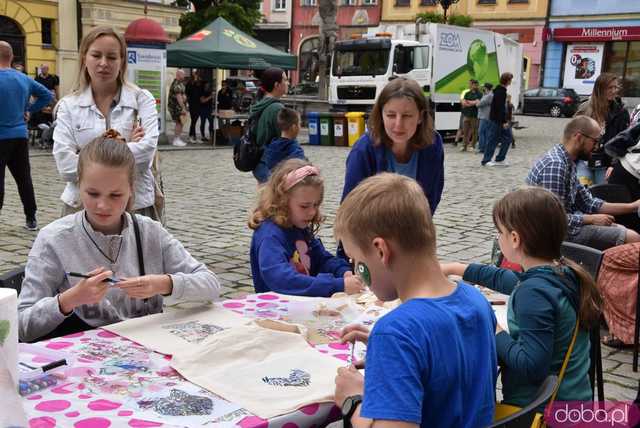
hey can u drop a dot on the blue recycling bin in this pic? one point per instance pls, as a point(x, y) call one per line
point(313, 120)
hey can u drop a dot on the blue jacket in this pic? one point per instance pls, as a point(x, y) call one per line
point(366, 160)
point(277, 263)
point(275, 152)
point(541, 316)
point(15, 90)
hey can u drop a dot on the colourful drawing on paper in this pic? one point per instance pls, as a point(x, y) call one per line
point(100, 350)
point(231, 416)
point(179, 403)
point(193, 331)
point(115, 366)
point(296, 378)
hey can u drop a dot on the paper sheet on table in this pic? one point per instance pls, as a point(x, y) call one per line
point(268, 372)
point(171, 332)
point(324, 318)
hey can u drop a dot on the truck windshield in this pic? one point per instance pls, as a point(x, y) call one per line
point(369, 62)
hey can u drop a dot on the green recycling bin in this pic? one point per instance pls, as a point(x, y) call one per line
point(339, 129)
point(326, 129)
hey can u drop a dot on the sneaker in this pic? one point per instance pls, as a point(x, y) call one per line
point(31, 225)
point(490, 163)
point(178, 142)
point(501, 163)
point(193, 140)
point(204, 140)
point(463, 149)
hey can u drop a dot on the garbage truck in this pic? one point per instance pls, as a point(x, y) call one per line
point(441, 58)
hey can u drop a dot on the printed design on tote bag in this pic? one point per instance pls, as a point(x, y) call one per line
point(193, 331)
point(297, 377)
point(179, 403)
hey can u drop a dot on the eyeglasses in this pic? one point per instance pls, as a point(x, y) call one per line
point(596, 141)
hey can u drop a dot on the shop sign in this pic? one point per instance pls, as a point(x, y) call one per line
point(596, 34)
point(583, 64)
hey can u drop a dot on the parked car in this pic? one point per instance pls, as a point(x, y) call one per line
point(304, 88)
point(554, 102)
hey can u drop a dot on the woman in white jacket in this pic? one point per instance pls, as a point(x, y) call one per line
point(103, 100)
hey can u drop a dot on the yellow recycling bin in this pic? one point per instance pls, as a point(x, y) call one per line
point(355, 125)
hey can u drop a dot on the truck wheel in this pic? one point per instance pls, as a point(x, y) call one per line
point(555, 111)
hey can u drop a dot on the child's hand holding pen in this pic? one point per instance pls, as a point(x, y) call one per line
point(352, 334)
point(86, 292)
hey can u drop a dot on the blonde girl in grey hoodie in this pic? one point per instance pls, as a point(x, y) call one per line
point(100, 241)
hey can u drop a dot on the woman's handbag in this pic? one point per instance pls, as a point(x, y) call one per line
point(505, 410)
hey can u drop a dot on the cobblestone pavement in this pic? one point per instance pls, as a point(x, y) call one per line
point(208, 203)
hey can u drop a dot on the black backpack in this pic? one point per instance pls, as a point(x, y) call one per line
point(246, 151)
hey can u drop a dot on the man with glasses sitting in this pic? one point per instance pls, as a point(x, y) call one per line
point(590, 220)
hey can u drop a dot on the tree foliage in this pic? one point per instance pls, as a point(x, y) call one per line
point(438, 18)
point(244, 14)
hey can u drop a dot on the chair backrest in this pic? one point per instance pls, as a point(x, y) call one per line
point(12, 279)
point(524, 417)
point(614, 193)
point(589, 258)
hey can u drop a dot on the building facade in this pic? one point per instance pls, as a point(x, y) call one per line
point(49, 31)
point(521, 20)
point(604, 37)
point(275, 28)
point(353, 19)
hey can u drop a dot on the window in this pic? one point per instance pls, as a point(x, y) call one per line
point(547, 92)
point(409, 58)
point(369, 2)
point(279, 4)
point(486, 1)
point(308, 2)
point(403, 3)
point(531, 93)
point(427, 2)
point(47, 32)
point(348, 2)
point(308, 59)
point(518, 1)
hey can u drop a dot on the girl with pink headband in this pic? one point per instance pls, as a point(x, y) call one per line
point(286, 256)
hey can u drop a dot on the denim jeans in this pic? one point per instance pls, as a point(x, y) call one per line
point(495, 134)
point(588, 176)
point(482, 137)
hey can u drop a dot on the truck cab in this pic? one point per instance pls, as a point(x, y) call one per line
point(360, 68)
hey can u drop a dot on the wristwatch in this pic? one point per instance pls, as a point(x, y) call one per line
point(349, 408)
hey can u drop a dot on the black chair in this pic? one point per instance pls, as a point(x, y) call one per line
point(12, 279)
point(615, 193)
point(524, 417)
point(590, 259)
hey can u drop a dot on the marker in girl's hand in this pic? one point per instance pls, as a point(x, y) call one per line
point(82, 275)
point(353, 348)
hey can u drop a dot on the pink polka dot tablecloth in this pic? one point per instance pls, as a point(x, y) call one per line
point(114, 382)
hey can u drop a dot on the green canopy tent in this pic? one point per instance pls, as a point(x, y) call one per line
point(221, 45)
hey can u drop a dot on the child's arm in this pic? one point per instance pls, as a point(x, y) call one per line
point(38, 310)
point(280, 276)
point(501, 280)
point(530, 356)
point(323, 261)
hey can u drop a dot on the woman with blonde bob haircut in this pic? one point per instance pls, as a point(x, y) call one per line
point(401, 139)
point(103, 100)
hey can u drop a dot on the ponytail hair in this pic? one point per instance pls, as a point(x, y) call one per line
point(541, 221)
point(590, 299)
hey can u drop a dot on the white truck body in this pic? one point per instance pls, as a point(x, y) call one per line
point(441, 59)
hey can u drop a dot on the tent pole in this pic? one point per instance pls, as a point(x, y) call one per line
point(216, 121)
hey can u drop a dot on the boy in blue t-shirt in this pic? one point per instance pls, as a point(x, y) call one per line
point(431, 362)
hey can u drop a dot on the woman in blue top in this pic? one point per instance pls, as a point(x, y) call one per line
point(545, 301)
point(401, 139)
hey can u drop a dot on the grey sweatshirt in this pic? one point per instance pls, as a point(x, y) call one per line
point(70, 244)
point(484, 106)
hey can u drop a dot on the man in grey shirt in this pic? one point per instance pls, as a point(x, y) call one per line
point(484, 107)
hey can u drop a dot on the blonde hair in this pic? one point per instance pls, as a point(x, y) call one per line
point(83, 79)
point(538, 216)
point(273, 199)
point(109, 150)
point(388, 206)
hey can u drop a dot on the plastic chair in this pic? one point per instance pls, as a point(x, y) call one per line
point(524, 417)
point(590, 259)
point(13, 279)
point(615, 193)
